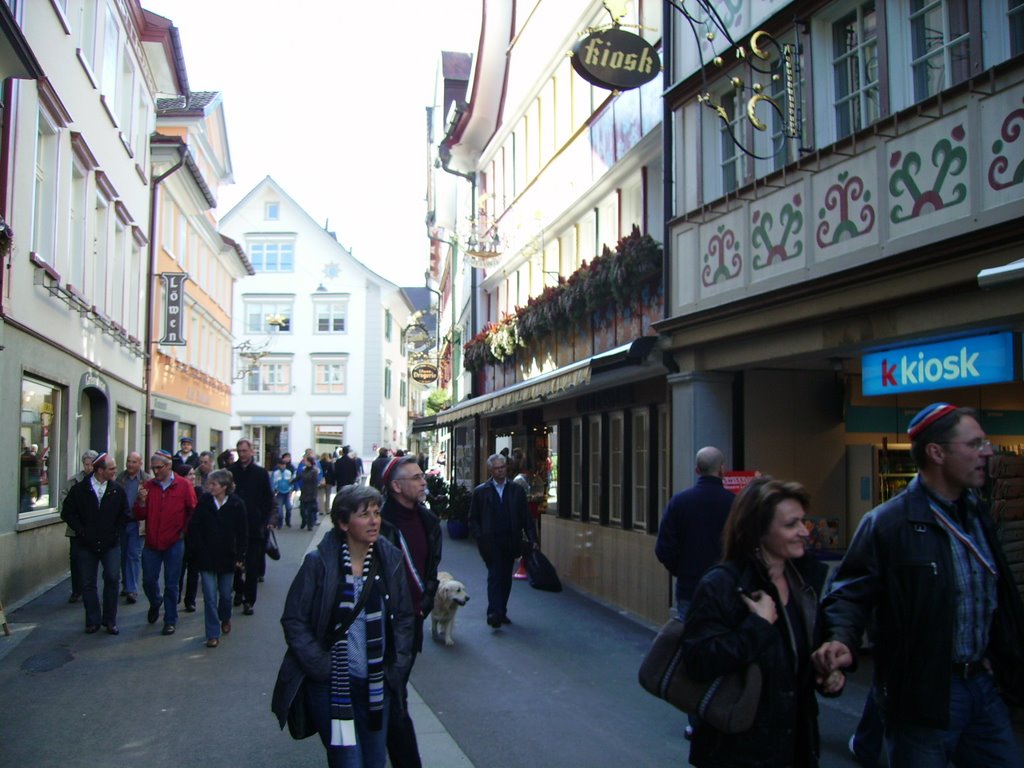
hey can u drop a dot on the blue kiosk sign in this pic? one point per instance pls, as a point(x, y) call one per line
point(989, 359)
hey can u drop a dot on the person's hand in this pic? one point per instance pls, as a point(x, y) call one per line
point(829, 657)
point(761, 603)
point(833, 683)
point(143, 493)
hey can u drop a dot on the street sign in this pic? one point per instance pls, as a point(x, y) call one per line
point(424, 373)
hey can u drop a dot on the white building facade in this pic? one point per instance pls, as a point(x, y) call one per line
point(318, 337)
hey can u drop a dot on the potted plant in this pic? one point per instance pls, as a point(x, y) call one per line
point(459, 497)
point(437, 494)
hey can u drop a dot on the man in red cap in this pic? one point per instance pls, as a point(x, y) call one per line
point(950, 633)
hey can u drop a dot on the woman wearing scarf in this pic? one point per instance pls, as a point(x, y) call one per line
point(760, 606)
point(216, 541)
point(348, 622)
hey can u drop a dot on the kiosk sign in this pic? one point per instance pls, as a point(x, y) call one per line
point(967, 362)
point(615, 59)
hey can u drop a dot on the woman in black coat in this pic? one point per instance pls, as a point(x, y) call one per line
point(217, 538)
point(760, 606)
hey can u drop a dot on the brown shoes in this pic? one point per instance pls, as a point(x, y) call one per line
point(213, 642)
point(225, 627)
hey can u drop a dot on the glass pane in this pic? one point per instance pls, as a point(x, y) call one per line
point(39, 406)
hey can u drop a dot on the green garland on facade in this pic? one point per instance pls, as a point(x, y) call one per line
point(614, 278)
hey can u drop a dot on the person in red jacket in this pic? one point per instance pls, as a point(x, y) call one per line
point(166, 503)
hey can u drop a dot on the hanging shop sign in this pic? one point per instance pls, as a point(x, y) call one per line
point(615, 59)
point(736, 480)
point(424, 373)
point(174, 308)
point(989, 359)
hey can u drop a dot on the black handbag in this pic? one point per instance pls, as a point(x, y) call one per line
point(542, 573)
point(728, 703)
point(273, 551)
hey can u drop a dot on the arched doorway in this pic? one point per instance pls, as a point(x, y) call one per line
point(94, 419)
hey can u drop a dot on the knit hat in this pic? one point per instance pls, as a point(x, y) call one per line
point(385, 476)
point(165, 455)
point(928, 416)
point(100, 459)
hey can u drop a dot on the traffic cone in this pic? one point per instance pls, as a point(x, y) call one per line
point(521, 572)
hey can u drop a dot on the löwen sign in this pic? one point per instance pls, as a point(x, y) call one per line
point(615, 59)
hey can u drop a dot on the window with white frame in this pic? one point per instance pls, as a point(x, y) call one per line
point(576, 501)
point(87, 37)
point(78, 221)
point(116, 270)
point(855, 72)
point(388, 324)
point(273, 376)
point(664, 457)
point(97, 288)
point(641, 468)
point(387, 380)
point(125, 92)
point(44, 198)
point(731, 159)
point(329, 315)
point(268, 315)
point(594, 458)
point(616, 465)
point(1015, 19)
point(271, 211)
point(940, 45)
point(329, 374)
point(111, 48)
point(272, 255)
point(134, 288)
point(39, 447)
point(403, 390)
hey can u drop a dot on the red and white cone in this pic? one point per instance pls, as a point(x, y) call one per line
point(521, 571)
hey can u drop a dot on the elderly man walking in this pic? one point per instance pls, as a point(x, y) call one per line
point(132, 478)
point(166, 503)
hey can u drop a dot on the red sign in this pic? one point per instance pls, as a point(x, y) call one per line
point(737, 481)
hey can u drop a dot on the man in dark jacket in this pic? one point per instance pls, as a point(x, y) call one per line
point(185, 454)
point(345, 469)
point(499, 520)
point(416, 531)
point(252, 486)
point(377, 468)
point(97, 510)
point(950, 621)
point(690, 535)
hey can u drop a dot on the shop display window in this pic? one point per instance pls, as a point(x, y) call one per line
point(40, 466)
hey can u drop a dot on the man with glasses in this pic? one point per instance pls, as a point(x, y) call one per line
point(416, 531)
point(166, 503)
point(950, 620)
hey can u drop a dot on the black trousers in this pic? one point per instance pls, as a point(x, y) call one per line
point(247, 583)
point(403, 749)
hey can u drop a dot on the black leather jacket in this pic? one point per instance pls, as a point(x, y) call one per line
point(723, 636)
point(307, 616)
point(900, 560)
point(432, 526)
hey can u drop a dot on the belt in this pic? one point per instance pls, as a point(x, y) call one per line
point(965, 670)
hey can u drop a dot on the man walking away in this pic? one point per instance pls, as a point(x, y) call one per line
point(252, 486)
point(131, 479)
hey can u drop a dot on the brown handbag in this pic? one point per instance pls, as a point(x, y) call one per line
point(728, 703)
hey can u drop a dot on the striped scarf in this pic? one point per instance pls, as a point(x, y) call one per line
point(342, 724)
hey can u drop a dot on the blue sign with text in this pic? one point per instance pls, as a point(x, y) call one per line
point(967, 362)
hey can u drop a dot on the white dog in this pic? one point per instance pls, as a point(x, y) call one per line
point(451, 595)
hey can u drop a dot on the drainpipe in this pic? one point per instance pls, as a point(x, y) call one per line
point(148, 365)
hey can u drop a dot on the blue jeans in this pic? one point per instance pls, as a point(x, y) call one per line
point(370, 750)
point(170, 559)
point(131, 558)
point(216, 600)
point(284, 509)
point(88, 563)
point(979, 734)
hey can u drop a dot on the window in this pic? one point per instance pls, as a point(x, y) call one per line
point(855, 69)
point(330, 316)
point(616, 466)
point(594, 453)
point(552, 479)
point(641, 468)
point(111, 46)
point(87, 33)
point(1015, 17)
point(97, 290)
point(272, 256)
point(403, 388)
point(388, 323)
point(125, 91)
point(731, 161)
point(576, 505)
point(387, 380)
point(268, 316)
point(940, 45)
point(270, 377)
point(40, 409)
point(664, 457)
point(44, 199)
point(271, 211)
point(329, 376)
point(75, 272)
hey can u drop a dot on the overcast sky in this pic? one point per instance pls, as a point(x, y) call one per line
point(329, 99)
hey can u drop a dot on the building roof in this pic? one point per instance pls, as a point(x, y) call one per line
point(196, 104)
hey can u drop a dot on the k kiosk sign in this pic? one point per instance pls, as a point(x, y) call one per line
point(989, 359)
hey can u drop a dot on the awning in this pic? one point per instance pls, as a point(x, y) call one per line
point(1007, 273)
point(552, 384)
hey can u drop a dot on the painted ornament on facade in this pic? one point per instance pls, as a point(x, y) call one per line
point(930, 188)
point(771, 247)
point(332, 270)
point(1008, 143)
point(839, 220)
point(722, 261)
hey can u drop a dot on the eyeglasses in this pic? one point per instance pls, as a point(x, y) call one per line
point(977, 444)
point(417, 476)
